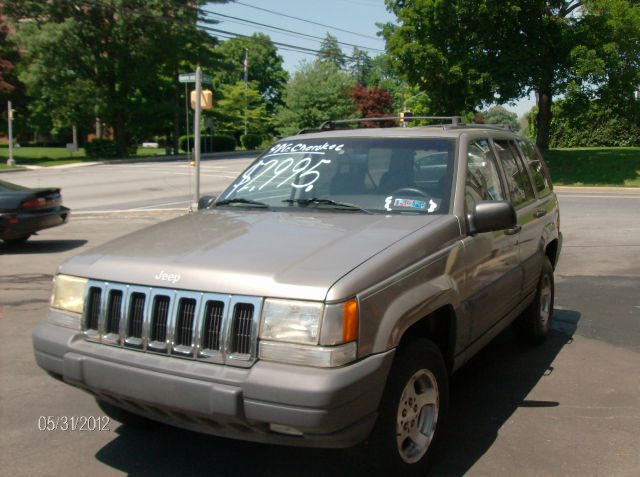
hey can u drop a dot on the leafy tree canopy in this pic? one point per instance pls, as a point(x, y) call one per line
point(317, 92)
point(239, 105)
point(331, 52)
point(469, 52)
point(264, 66)
point(501, 115)
point(116, 59)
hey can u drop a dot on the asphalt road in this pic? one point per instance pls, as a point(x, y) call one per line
point(568, 408)
point(140, 186)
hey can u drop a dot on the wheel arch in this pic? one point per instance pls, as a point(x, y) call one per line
point(440, 327)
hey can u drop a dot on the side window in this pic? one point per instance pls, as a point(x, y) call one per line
point(537, 168)
point(517, 178)
point(483, 180)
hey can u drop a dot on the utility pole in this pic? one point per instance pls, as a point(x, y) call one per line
point(10, 161)
point(246, 85)
point(196, 131)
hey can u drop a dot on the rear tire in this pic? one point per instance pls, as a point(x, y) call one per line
point(533, 325)
point(412, 412)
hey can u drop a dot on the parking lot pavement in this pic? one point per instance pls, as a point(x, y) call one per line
point(568, 408)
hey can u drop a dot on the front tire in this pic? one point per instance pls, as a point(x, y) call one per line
point(533, 325)
point(412, 412)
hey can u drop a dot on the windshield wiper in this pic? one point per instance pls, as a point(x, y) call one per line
point(241, 200)
point(329, 202)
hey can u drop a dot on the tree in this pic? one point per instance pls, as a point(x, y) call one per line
point(331, 52)
point(11, 89)
point(238, 105)
point(372, 102)
point(501, 115)
point(117, 59)
point(469, 52)
point(360, 65)
point(317, 92)
point(264, 66)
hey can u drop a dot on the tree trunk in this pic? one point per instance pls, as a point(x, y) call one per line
point(543, 119)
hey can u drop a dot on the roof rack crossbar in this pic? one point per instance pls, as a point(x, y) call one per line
point(329, 125)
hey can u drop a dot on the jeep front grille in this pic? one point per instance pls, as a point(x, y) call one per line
point(196, 325)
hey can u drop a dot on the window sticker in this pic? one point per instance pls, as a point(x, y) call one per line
point(390, 203)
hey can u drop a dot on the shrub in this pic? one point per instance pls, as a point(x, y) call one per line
point(101, 149)
point(251, 141)
point(219, 143)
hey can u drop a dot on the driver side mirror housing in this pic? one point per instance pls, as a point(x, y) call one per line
point(206, 201)
point(491, 216)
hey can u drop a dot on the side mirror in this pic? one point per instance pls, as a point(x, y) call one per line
point(491, 216)
point(206, 201)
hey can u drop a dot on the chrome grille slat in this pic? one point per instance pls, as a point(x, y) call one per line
point(187, 324)
point(212, 332)
point(114, 312)
point(136, 315)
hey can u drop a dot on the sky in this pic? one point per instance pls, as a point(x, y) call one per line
point(352, 22)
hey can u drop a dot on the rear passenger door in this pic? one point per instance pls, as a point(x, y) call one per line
point(545, 207)
point(524, 202)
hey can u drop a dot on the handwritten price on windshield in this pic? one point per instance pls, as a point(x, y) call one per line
point(306, 176)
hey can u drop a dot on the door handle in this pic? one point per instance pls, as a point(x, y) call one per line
point(513, 231)
point(539, 213)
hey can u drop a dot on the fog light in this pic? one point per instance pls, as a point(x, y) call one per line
point(282, 429)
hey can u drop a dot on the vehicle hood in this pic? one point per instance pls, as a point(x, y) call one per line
point(262, 253)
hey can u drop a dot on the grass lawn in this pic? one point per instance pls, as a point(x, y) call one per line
point(56, 156)
point(595, 166)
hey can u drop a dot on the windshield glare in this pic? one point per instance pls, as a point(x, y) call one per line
point(381, 175)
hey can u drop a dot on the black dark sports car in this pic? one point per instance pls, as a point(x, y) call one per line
point(24, 211)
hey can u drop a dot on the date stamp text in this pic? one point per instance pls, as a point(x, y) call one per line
point(74, 423)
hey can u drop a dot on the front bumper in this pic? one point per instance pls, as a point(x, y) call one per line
point(329, 407)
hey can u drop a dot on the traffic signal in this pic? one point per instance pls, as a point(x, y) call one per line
point(206, 99)
point(405, 115)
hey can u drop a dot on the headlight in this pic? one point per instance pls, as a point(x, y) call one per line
point(68, 293)
point(307, 333)
point(291, 321)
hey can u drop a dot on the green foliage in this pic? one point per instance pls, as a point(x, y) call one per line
point(101, 149)
point(501, 115)
point(317, 92)
point(264, 66)
point(117, 60)
point(591, 123)
point(595, 166)
point(469, 52)
point(208, 143)
point(330, 52)
point(239, 105)
point(251, 141)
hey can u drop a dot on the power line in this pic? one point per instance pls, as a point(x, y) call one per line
point(290, 31)
point(309, 21)
point(285, 46)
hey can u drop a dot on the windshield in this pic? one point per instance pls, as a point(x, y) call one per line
point(374, 175)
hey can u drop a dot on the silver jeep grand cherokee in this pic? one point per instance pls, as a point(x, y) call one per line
point(325, 297)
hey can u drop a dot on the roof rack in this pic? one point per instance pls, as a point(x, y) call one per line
point(331, 124)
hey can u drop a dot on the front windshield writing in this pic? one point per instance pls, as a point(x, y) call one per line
point(387, 175)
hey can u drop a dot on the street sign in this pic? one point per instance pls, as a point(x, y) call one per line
point(191, 78)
